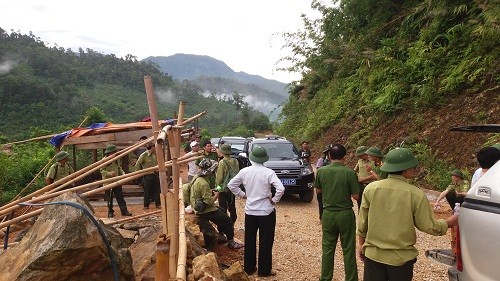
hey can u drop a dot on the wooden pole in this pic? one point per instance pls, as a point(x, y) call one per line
point(181, 258)
point(133, 218)
point(165, 245)
point(172, 257)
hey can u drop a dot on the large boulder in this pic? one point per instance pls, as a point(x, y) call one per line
point(206, 267)
point(64, 244)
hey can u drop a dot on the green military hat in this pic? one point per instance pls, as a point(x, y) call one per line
point(226, 149)
point(374, 151)
point(110, 148)
point(399, 159)
point(361, 150)
point(496, 145)
point(259, 155)
point(61, 155)
point(457, 173)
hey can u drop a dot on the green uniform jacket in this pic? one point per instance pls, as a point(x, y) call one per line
point(460, 187)
point(58, 171)
point(360, 167)
point(390, 211)
point(225, 165)
point(146, 160)
point(113, 166)
point(201, 189)
point(337, 183)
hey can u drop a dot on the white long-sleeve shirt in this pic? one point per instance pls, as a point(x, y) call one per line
point(257, 181)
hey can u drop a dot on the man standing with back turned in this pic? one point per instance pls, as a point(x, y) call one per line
point(390, 210)
point(338, 184)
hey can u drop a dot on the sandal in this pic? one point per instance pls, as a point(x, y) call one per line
point(234, 245)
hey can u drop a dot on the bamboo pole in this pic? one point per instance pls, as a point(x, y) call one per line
point(133, 218)
point(36, 176)
point(163, 247)
point(121, 179)
point(72, 178)
point(191, 118)
point(162, 254)
point(21, 218)
point(172, 254)
point(181, 259)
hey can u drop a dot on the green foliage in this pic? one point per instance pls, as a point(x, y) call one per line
point(379, 57)
point(95, 115)
point(436, 171)
point(240, 131)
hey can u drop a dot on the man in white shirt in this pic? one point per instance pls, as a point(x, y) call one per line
point(486, 157)
point(260, 214)
point(192, 167)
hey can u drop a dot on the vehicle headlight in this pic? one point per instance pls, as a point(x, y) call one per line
point(306, 170)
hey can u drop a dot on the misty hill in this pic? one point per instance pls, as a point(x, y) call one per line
point(218, 79)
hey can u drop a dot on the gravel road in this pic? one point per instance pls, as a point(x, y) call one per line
point(297, 247)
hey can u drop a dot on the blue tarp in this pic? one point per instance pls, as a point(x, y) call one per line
point(58, 139)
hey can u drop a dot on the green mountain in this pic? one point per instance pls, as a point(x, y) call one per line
point(53, 89)
point(218, 79)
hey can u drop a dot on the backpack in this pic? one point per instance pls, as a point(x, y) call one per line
point(186, 196)
point(229, 175)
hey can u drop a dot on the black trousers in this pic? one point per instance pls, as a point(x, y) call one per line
point(265, 225)
point(221, 220)
point(375, 271)
point(226, 202)
point(360, 195)
point(151, 184)
point(319, 197)
point(117, 193)
point(453, 198)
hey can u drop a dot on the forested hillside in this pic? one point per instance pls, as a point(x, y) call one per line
point(52, 89)
point(390, 72)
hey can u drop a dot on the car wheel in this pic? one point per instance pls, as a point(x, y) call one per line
point(307, 196)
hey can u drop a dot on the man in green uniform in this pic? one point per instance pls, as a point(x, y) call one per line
point(114, 169)
point(455, 192)
point(390, 211)
point(364, 176)
point(59, 169)
point(208, 153)
point(203, 204)
point(151, 182)
point(375, 155)
point(227, 169)
point(338, 184)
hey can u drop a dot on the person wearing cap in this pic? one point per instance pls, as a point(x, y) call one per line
point(305, 152)
point(455, 192)
point(59, 169)
point(486, 157)
point(390, 211)
point(192, 167)
point(227, 169)
point(260, 214)
point(150, 182)
point(112, 170)
point(375, 155)
point(203, 203)
point(339, 185)
point(364, 176)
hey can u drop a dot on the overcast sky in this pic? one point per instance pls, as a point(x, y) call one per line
point(237, 32)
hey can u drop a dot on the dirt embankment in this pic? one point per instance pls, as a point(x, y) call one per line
point(430, 127)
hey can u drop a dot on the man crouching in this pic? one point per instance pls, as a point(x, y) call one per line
point(203, 204)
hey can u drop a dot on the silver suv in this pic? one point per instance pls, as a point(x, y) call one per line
point(478, 236)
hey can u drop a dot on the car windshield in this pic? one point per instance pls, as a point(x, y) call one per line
point(279, 150)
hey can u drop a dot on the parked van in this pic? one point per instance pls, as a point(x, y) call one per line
point(476, 253)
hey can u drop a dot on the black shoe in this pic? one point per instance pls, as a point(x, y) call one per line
point(110, 214)
point(126, 213)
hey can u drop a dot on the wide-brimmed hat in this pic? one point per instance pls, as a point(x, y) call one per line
point(61, 155)
point(110, 148)
point(207, 167)
point(259, 155)
point(457, 173)
point(226, 149)
point(399, 159)
point(361, 150)
point(374, 151)
point(193, 144)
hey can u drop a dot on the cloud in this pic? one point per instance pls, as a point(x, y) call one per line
point(7, 66)
point(166, 96)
